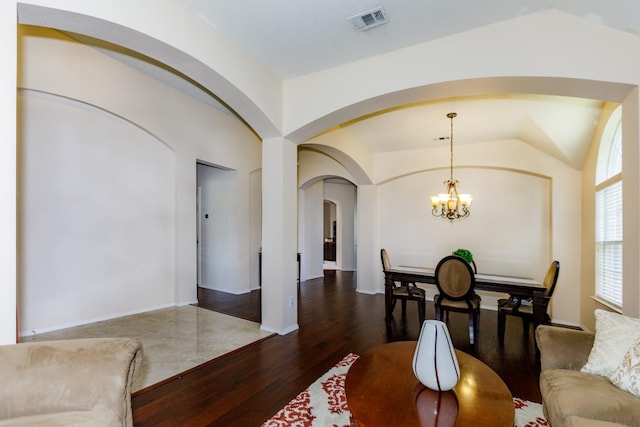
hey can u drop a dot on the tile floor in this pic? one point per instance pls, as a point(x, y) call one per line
point(174, 339)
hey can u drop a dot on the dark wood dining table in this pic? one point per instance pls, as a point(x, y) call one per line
point(517, 286)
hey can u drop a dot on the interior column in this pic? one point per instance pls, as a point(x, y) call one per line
point(279, 236)
point(8, 180)
point(370, 279)
point(631, 203)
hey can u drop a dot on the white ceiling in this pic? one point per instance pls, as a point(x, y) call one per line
point(296, 37)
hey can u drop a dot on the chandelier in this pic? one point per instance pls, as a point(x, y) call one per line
point(451, 204)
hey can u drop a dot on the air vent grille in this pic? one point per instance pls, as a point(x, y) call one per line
point(369, 19)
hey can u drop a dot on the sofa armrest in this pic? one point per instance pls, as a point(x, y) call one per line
point(69, 375)
point(563, 348)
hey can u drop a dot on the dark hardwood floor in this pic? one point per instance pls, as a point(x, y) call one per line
point(248, 386)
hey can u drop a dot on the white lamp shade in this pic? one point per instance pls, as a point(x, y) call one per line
point(465, 199)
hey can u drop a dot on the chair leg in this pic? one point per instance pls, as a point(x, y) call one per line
point(421, 311)
point(525, 326)
point(472, 327)
point(438, 313)
point(501, 320)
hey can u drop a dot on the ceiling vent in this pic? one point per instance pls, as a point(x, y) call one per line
point(366, 20)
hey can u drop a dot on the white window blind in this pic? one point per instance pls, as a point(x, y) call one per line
point(609, 243)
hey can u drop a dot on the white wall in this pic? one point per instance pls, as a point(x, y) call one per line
point(97, 214)
point(255, 228)
point(108, 183)
point(508, 231)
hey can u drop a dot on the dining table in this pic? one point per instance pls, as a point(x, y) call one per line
point(524, 287)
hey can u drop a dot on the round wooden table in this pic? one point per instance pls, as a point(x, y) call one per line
point(382, 390)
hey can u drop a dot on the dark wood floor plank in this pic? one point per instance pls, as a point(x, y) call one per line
point(250, 385)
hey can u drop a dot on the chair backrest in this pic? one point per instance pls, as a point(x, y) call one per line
point(386, 263)
point(551, 278)
point(455, 278)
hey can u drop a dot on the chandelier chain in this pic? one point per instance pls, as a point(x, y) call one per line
point(451, 116)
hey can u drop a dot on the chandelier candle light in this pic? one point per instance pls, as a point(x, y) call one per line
point(451, 205)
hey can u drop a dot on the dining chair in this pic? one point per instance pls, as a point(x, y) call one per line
point(456, 281)
point(405, 291)
point(516, 306)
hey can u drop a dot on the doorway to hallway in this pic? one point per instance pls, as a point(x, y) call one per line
point(216, 240)
point(330, 232)
point(228, 228)
point(327, 226)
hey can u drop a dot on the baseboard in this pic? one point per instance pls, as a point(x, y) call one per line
point(280, 331)
point(34, 332)
point(360, 291)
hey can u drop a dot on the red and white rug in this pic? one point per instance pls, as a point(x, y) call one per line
point(324, 403)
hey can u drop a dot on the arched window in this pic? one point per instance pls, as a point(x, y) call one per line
point(609, 213)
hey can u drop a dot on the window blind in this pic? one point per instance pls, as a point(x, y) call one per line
point(609, 243)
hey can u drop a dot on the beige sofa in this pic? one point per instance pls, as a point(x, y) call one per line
point(574, 398)
point(69, 382)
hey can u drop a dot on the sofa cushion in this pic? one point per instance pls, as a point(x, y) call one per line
point(590, 422)
point(568, 393)
point(615, 334)
point(97, 418)
point(627, 376)
point(81, 377)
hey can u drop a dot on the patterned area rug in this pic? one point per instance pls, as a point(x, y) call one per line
point(324, 403)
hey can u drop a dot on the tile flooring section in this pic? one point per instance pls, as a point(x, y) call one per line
point(174, 339)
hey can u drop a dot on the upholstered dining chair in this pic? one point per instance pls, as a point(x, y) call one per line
point(405, 291)
point(456, 280)
point(515, 306)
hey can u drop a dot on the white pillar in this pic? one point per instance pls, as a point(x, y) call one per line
point(8, 173)
point(631, 204)
point(279, 236)
point(369, 279)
